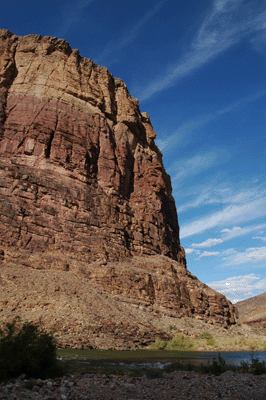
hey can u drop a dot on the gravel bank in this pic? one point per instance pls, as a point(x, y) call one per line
point(177, 385)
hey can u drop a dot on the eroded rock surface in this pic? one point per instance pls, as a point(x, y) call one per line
point(81, 167)
point(82, 183)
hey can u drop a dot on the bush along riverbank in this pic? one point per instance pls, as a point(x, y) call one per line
point(29, 369)
point(229, 341)
point(26, 348)
point(176, 380)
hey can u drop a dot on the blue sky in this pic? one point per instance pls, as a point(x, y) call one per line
point(198, 68)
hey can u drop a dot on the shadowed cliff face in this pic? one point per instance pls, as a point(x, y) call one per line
point(82, 182)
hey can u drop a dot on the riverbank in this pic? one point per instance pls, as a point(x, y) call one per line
point(182, 385)
point(200, 336)
point(176, 380)
point(240, 337)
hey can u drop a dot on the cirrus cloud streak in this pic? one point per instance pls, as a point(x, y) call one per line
point(222, 28)
point(236, 213)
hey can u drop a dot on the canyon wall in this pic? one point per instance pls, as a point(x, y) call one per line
point(83, 189)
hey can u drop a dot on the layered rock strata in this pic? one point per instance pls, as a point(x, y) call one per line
point(82, 172)
point(82, 183)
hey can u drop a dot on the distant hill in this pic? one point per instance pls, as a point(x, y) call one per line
point(253, 311)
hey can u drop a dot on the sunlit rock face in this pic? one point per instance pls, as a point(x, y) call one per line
point(80, 157)
point(82, 182)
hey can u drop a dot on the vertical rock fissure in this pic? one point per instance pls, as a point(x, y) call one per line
point(4, 90)
point(2, 114)
point(49, 144)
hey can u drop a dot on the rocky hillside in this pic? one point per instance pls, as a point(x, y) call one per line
point(84, 196)
point(253, 311)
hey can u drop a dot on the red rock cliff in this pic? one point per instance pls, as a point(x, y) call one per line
point(82, 184)
point(81, 165)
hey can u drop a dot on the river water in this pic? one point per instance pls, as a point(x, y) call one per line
point(152, 358)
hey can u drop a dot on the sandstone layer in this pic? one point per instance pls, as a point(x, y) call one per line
point(252, 311)
point(83, 190)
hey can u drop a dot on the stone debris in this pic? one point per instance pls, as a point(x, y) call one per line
point(177, 385)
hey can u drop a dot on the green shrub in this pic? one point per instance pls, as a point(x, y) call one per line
point(217, 367)
point(27, 349)
point(158, 344)
point(257, 367)
point(253, 345)
point(179, 342)
point(211, 342)
point(244, 366)
point(242, 342)
point(206, 335)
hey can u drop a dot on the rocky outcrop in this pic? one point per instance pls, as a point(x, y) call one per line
point(82, 183)
point(120, 305)
point(82, 172)
point(252, 311)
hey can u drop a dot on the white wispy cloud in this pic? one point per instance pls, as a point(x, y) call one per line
point(204, 198)
point(71, 14)
point(260, 237)
point(238, 213)
point(232, 256)
point(229, 252)
point(233, 230)
point(207, 243)
point(259, 43)
point(236, 231)
point(236, 204)
point(187, 167)
point(226, 25)
point(216, 192)
point(189, 251)
point(209, 254)
point(131, 35)
point(201, 194)
point(193, 165)
point(251, 255)
point(240, 287)
point(184, 131)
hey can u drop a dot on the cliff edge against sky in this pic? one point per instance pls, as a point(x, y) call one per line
point(84, 196)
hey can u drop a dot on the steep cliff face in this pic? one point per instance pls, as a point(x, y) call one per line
point(82, 171)
point(82, 184)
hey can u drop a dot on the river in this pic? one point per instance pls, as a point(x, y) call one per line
point(153, 358)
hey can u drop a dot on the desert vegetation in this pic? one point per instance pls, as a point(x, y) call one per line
point(238, 338)
point(216, 367)
point(27, 349)
point(179, 342)
point(219, 366)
